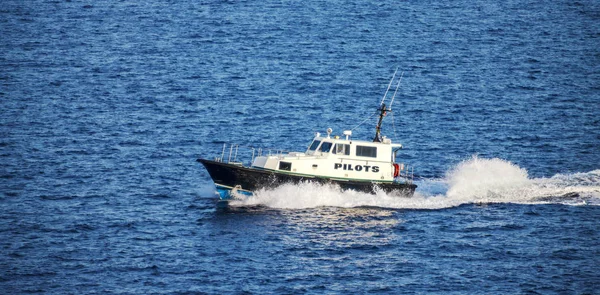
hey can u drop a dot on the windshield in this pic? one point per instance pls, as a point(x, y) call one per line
point(325, 147)
point(314, 145)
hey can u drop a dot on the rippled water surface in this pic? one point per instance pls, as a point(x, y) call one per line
point(105, 106)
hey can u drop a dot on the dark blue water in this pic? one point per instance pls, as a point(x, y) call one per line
point(105, 105)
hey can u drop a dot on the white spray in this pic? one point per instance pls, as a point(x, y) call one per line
point(476, 180)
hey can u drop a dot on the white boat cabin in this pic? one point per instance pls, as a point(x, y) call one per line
point(339, 159)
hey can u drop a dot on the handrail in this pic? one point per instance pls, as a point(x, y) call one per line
point(232, 155)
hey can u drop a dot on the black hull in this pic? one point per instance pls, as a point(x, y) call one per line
point(253, 179)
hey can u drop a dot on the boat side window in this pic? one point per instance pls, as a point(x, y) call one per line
point(366, 151)
point(342, 149)
point(287, 166)
point(314, 145)
point(325, 147)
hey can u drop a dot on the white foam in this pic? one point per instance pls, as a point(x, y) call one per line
point(476, 180)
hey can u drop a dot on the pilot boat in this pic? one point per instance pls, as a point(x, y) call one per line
point(359, 165)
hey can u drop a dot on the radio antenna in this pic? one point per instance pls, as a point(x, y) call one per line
point(397, 86)
point(388, 88)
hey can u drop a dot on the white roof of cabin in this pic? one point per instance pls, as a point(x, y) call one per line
point(352, 141)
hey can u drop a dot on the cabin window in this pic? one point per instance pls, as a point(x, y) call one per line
point(325, 147)
point(342, 149)
point(314, 145)
point(366, 151)
point(287, 166)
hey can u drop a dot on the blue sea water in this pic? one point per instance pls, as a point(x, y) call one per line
point(105, 106)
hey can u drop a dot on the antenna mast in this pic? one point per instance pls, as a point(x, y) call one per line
point(382, 113)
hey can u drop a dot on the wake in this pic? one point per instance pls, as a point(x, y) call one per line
point(474, 181)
